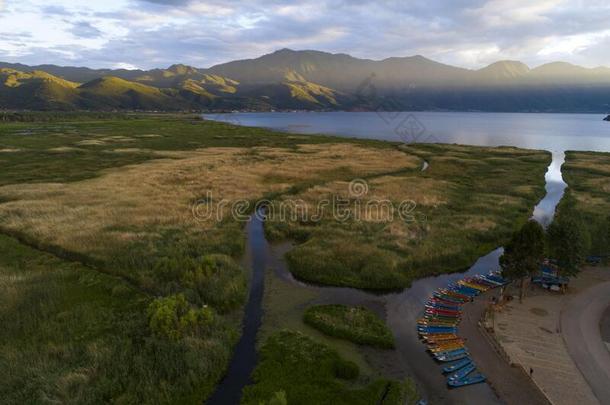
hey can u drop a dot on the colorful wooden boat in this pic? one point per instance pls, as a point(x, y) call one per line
point(453, 357)
point(445, 348)
point(452, 352)
point(444, 341)
point(448, 312)
point(442, 306)
point(451, 368)
point(462, 373)
point(448, 298)
point(442, 336)
point(473, 379)
point(456, 295)
point(438, 298)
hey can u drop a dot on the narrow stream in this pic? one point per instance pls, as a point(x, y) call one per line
point(244, 355)
point(401, 309)
point(555, 187)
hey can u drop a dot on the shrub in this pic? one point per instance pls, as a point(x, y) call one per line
point(310, 373)
point(346, 369)
point(356, 324)
point(173, 318)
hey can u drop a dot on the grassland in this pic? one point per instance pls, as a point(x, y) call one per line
point(465, 204)
point(357, 324)
point(114, 198)
point(588, 177)
point(307, 372)
point(73, 335)
point(111, 200)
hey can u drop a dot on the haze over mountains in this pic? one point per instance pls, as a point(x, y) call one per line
point(312, 80)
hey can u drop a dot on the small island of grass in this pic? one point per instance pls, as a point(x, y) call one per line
point(295, 369)
point(357, 324)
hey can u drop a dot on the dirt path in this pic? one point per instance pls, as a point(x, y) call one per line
point(580, 327)
point(512, 384)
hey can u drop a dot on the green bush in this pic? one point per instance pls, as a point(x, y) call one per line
point(347, 370)
point(356, 324)
point(173, 318)
point(310, 373)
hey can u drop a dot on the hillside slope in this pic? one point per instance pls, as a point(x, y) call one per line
point(312, 80)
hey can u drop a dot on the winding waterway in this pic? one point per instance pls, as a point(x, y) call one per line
point(554, 132)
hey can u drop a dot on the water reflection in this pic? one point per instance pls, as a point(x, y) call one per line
point(555, 187)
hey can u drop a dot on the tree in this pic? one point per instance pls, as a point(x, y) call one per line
point(523, 254)
point(600, 239)
point(569, 242)
point(173, 318)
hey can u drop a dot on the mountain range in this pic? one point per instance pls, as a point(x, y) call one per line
point(310, 80)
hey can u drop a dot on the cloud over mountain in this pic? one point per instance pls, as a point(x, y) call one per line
point(149, 33)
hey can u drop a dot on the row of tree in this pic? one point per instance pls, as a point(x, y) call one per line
point(567, 240)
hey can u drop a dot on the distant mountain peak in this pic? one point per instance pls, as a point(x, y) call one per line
point(504, 69)
point(181, 69)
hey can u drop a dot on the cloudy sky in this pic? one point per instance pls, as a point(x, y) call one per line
point(158, 33)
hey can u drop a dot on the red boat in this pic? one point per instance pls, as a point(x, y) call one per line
point(449, 312)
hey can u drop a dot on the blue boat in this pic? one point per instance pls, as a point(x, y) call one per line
point(474, 379)
point(460, 374)
point(457, 365)
point(462, 289)
point(449, 353)
point(454, 357)
point(448, 298)
point(496, 278)
point(436, 329)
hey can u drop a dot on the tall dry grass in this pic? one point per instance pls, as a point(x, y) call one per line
point(96, 216)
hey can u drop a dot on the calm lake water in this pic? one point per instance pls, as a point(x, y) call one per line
point(553, 132)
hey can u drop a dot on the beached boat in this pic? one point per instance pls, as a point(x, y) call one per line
point(451, 368)
point(438, 299)
point(453, 357)
point(443, 306)
point(473, 379)
point(431, 339)
point(443, 311)
point(456, 295)
point(450, 352)
point(448, 298)
point(462, 373)
point(441, 336)
point(445, 347)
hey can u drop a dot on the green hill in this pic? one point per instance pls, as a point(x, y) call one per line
point(113, 92)
point(311, 80)
point(36, 90)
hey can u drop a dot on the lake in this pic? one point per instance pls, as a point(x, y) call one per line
point(553, 132)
